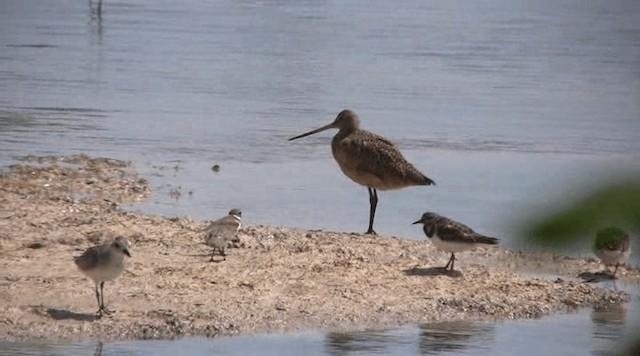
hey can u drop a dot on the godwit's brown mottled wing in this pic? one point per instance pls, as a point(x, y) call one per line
point(373, 161)
point(450, 230)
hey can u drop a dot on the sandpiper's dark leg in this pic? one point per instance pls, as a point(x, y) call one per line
point(102, 307)
point(373, 201)
point(98, 299)
point(615, 270)
point(450, 263)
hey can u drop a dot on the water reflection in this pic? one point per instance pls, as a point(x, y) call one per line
point(27, 348)
point(454, 336)
point(368, 341)
point(98, 351)
point(95, 10)
point(615, 314)
point(609, 324)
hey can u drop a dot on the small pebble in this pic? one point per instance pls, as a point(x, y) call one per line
point(35, 245)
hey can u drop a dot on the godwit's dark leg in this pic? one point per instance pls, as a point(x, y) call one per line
point(615, 270)
point(98, 299)
point(373, 201)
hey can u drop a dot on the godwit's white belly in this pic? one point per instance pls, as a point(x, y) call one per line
point(450, 246)
point(612, 257)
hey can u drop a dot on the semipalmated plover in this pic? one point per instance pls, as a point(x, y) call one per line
point(220, 232)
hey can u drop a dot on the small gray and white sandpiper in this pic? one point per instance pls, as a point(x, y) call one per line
point(451, 236)
point(369, 160)
point(613, 247)
point(220, 232)
point(103, 263)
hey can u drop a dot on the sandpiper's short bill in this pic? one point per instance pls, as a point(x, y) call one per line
point(222, 231)
point(104, 263)
point(451, 236)
point(613, 247)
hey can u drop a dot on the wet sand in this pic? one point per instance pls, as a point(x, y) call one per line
point(276, 279)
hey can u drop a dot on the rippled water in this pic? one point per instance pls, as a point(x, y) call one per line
point(510, 106)
point(161, 80)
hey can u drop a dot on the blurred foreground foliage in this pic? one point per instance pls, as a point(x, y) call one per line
point(609, 238)
point(615, 204)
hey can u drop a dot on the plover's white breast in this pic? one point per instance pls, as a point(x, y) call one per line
point(450, 246)
point(613, 257)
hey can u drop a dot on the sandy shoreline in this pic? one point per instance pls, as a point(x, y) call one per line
point(278, 279)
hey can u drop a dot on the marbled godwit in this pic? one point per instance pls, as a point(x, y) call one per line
point(369, 160)
point(451, 236)
point(223, 230)
point(103, 263)
point(613, 247)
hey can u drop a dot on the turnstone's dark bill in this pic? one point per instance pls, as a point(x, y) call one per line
point(103, 263)
point(613, 247)
point(451, 236)
point(220, 232)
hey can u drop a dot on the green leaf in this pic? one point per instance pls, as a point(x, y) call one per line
point(616, 204)
point(607, 238)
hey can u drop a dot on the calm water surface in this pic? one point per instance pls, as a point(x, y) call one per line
point(512, 107)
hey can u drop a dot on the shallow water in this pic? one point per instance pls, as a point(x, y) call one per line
point(512, 107)
point(583, 332)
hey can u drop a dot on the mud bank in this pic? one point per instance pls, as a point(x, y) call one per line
point(276, 279)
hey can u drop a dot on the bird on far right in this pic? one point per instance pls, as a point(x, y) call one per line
point(613, 247)
point(451, 236)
